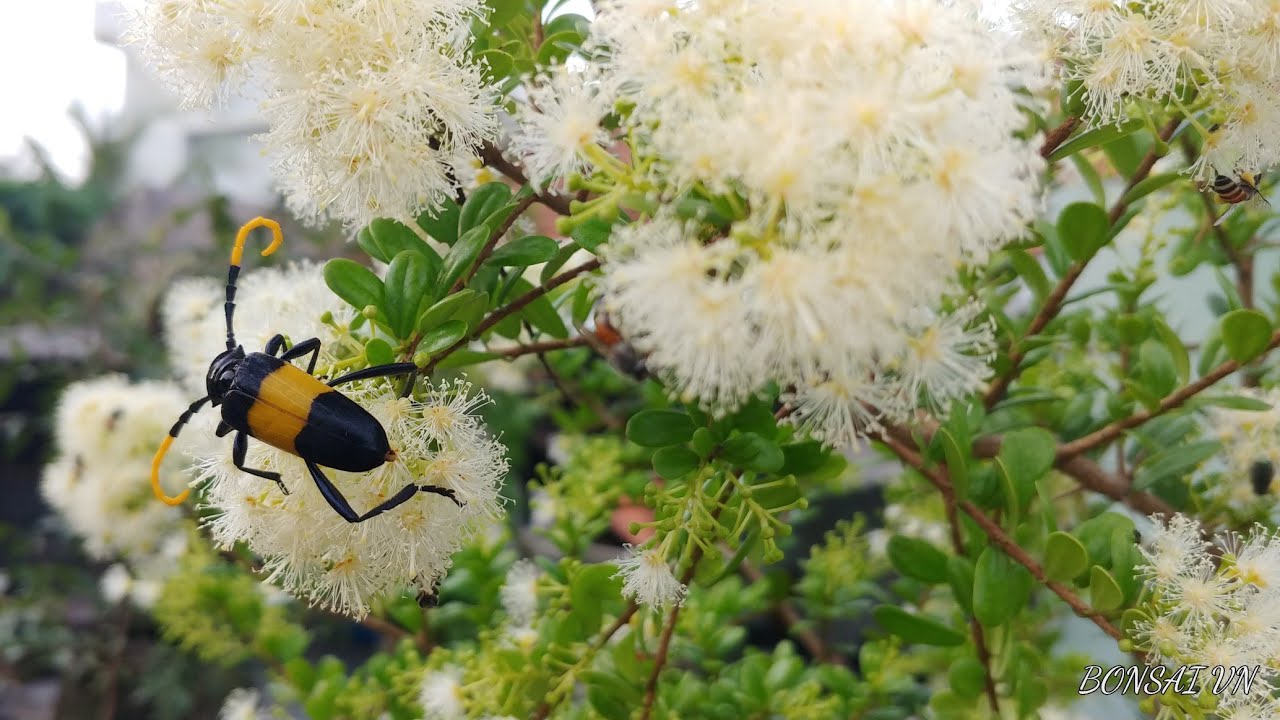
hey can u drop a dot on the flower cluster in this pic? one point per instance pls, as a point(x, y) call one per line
point(1220, 54)
point(306, 546)
point(1207, 610)
point(106, 431)
point(374, 107)
point(860, 170)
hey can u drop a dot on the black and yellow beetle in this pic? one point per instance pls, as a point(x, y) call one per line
point(266, 397)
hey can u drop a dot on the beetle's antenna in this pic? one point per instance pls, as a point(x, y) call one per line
point(277, 237)
point(164, 450)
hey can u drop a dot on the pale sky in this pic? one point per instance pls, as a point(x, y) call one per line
point(50, 59)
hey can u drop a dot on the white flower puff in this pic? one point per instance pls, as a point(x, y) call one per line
point(866, 166)
point(307, 548)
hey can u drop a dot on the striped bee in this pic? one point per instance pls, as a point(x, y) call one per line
point(605, 338)
point(1237, 191)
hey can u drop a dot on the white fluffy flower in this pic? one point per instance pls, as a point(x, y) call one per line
point(560, 119)
point(1248, 437)
point(1131, 53)
point(107, 430)
point(520, 592)
point(647, 578)
point(308, 549)
point(440, 695)
point(374, 107)
point(1213, 604)
point(240, 704)
point(860, 172)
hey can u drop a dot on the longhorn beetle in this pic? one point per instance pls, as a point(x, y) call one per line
point(266, 397)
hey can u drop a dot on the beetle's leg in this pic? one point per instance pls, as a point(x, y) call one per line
point(239, 448)
point(273, 345)
point(164, 450)
point(223, 429)
point(306, 346)
point(389, 370)
point(343, 508)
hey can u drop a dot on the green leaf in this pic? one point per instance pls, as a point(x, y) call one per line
point(675, 461)
point(407, 285)
point(528, 250)
point(484, 202)
point(1246, 334)
point(1096, 533)
point(442, 336)
point(1091, 178)
point(554, 264)
point(1150, 185)
point(379, 352)
point(1030, 271)
point(1177, 350)
point(461, 256)
point(591, 234)
point(557, 47)
point(1064, 557)
point(393, 238)
point(755, 416)
point(442, 224)
point(957, 461)
point(1001, 588)
point(659, 428)
point(753, 452)
point(1104, 592)
point(917, 559)
point(1028, 453)
point(354, 283)
point(1232, 402)
point(1082, 229)
point(915, 628)
point(960, 578)
point(498, 64)
point(802, 457)
point(1097, 136)
point(1156, 367)
point(1177, 460)
point(540, 313)
point(502, 12)
point(967, 677)
point(445, 309)
point(568, 22)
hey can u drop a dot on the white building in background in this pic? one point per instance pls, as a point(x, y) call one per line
point(203, 150)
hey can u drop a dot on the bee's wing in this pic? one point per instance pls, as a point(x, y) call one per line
point(1223, 217)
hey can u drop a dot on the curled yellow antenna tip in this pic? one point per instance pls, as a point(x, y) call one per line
point(277, 237)
point(155, 476)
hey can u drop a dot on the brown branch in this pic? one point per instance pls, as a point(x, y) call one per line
point(493, 157)
point(979, 638)
point(1055, 137)
point(1080, 468)
point(998, 536)
point(664, 645)
point(540, 347)
point(492, 242)
point(1053, 304)
point(1174, 400)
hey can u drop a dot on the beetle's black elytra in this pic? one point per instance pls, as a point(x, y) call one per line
point(265, 397)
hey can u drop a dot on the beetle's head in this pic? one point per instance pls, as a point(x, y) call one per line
point(222, 372)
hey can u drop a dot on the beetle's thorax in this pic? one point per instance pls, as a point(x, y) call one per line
point(222, 373)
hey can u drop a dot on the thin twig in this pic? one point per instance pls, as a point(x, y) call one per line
point(540, 347)
point(998, 536)
point(1055, 137)
point(493, 157)
point(664, 646)
point(544, 709)
point(1053, 304)
point(1172, 401)
point(512, 307)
